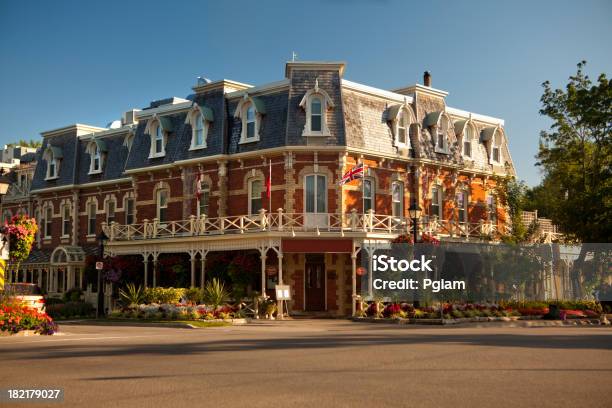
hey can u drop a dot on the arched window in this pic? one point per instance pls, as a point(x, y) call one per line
point(255, 200)
point(492, 208)
point(6, 216)
point(496, 148)
point(48, 221)
point(96, 159)
point(315, 114)
point(162, 205)
point(441, 135)
point(198, 131)
point(129, 210)
point(204, 199)
point(462, 203)
point(199, 118)
point(92, 209)
point(52, 156)
point(468, 135)
point(402, 129)
point(397, 198)
point(66, 220)
point(369, 194)
point(316, 102)
point(250, 122)
point(110, 210)
point(159, 140)
point(435, 207)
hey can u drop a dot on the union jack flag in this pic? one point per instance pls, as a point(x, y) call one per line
point(354, 173)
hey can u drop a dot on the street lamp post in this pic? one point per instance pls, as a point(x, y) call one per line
point(102, 238)
point(415, 214)
point(5, 182)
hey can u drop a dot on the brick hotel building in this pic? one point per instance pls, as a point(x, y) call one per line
point(139, 181)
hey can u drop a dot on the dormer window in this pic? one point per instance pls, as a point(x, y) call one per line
point(52, 156)
point(199, 118)
point(250, 122)
point(158, 129)
point(159, 140)
point(316, 102)
point(438, 124)
point(493, 139)
point(467, 141)
point(96, 148)
point(250, 111)
point(400, 118)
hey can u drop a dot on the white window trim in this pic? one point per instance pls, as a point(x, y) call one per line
point(372, 192)
point(95, 214)
point(50, 158)
point(466, 205)
point(493, 145)
point(401, 201)
point(326, 104)
point(439, 130)
point(468, 127)
point(440, 190)
point(125, 208)
point(241, 113)
point(158, 206)
point(47, 234)
point(92, 147)
point(316, 192)
point(63, 210)
point(151, 130)
point(250, 193)
point(191, 119)
point(205, 183)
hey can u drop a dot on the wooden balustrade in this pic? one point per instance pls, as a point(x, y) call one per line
point(279, 221)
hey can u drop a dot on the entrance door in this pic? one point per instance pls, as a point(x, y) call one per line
point(315, 201)
point(314, 283)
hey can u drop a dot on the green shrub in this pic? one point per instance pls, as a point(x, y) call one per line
point(70, 310)
point(215, 293)
point(131, 296)
point(72, 295)
point(163, 295)
point(194, 295)
point(457, 314)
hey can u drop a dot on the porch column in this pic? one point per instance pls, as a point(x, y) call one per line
point(354, 280)
point(263, 271)
point(155, 265)
point(24, 275)
point(280, 313)
point(193, 265)
point(146, 270)
point(203, 268)
point(80, 278)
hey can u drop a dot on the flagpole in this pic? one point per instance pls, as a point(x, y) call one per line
point(270, 182)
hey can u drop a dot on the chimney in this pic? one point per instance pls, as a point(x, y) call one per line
point(427, 78)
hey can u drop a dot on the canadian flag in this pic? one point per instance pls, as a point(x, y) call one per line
point(199, 186)
point(269, 181)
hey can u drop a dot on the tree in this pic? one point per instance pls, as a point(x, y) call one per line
point(576, 156)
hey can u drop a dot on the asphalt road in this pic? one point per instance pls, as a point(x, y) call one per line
point(318, 363)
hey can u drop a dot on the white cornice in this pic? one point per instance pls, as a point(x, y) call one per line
point(80, 186)
point(221, 84)
point(175, 108)
point(79, 128)
point(313, 66)
point(260, 90)
point(412, 89)
point(474, 116)
point(370, 90)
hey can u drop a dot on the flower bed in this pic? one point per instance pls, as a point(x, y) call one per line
point(485, 311)
point(15, 318)
point(166, 311)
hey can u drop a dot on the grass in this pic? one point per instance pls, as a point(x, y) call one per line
point(194, 323)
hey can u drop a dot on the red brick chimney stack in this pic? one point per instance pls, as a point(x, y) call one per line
point(427, 78)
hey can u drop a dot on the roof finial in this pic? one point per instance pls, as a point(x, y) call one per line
point(293, 56)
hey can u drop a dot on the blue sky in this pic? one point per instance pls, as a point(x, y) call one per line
point(63, 62)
